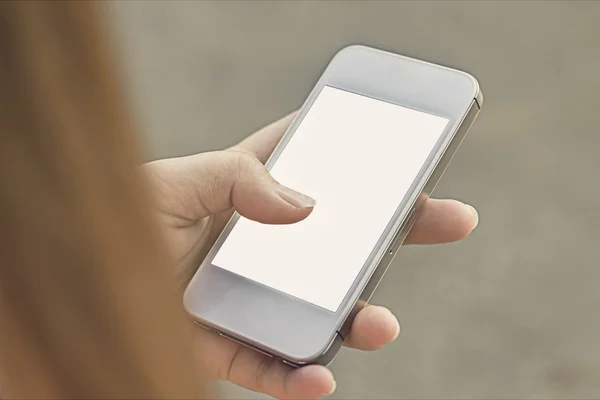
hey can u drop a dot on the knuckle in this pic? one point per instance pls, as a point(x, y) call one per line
point(241, 161)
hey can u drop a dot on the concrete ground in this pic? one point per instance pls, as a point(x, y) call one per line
point(512, 312)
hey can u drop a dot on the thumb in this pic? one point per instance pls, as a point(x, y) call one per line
point(209, 183)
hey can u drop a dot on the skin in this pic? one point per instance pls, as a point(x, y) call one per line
point(196, 195)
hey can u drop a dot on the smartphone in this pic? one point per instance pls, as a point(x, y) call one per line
point(369, 144)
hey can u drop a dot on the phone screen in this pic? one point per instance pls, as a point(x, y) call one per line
point(358, 157)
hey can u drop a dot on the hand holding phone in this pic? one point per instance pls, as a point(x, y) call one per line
point(370, 143)
point(439, 221)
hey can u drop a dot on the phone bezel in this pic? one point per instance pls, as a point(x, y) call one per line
point(284, 326)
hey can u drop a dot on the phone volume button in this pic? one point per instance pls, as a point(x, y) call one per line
point(411, 218)
point(401, 235)
point(286, 362)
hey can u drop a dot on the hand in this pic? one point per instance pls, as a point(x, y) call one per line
point(192, 189)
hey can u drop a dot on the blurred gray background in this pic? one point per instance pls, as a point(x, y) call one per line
point(512, 312)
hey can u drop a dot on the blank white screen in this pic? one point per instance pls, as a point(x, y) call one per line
point(357, 157)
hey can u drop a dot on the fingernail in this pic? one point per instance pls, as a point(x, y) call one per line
point(397, 333)
point(474, 214)
point(333, 387)
point(296, 199)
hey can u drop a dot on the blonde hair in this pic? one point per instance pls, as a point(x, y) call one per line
point(88, 305)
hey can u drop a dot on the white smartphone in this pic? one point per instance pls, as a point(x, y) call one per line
point(369, 144)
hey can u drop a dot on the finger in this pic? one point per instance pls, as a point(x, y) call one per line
point(263, 142)
point(443, 221)
point(440, 221)
point(372, 328)
point(260, 373)
point(210, 183)
point(230, 361)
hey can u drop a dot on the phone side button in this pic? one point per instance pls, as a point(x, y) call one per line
point(286, 362)
point(397, 242)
